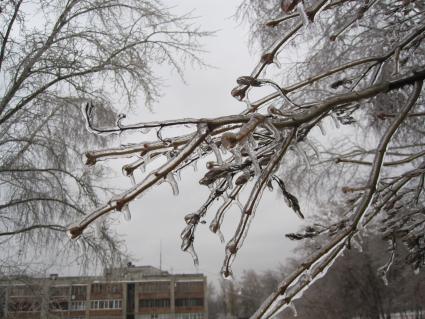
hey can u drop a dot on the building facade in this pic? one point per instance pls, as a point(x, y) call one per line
point(127, 293)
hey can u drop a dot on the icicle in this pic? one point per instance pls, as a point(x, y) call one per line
point(178, 174)
point(253, 157)
point(173, 183)
point(313, 147)
point(81, 246)
point(303, 155)
point(237, 155)
point(416, 271)
point(382, 273)
point(132, 179)
point(223, 149)
point(303, 14)
point(144, 161)
point(276, 61)
point(143, 167)
point(199, 152)
point(247, 102)
point(356, 244)
point(294, 310)
point(195, 165)
point(238, 203)
point(126, 212)
point(322, 129)
point(335, 120)
point(216, 150)
point(270, 127)
point(98, 225)
point(192, 252)
point(220, 235)
point(229, 180)
point(270, 186)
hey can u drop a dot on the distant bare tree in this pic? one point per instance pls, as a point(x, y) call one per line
point(54, 55)
point(361, 70)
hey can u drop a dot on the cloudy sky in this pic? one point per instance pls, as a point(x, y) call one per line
point(158, 216)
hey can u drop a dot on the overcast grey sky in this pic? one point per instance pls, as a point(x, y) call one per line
point(158, 216)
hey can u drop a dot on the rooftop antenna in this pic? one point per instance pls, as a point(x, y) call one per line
point(160, 255)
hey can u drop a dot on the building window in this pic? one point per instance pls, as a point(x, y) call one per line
point(77, 305)
point(23, 306)
point(106, 304)
point(193, 315)
point(189, 286)
point(24, 291)
point(79, 292)
point(62, 291)
point(189, 302)
point(58, 305)
point(106, 288)
point(154, 303)
point(154, 286)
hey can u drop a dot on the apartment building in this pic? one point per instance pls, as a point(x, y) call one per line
point(143, 292)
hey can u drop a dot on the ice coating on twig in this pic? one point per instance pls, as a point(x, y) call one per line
point(219, 217)
point(216, 150)
point(192, 252)
point(303, 154)
point(251, 153)
point(383, 270)
point(303, 14)
point(173, 183)
point(313, 147)
point(126, 212)
point(251, 205)
point(321, 127)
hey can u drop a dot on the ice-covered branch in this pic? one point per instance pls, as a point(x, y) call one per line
point(325, 257)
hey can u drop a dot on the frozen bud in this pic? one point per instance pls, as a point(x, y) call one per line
point(229, 140)
point(248, 80)
point(212, 175)
point(90, 159)
point(267, 58)
point(243, 179)
point(127, 170)
point(273, 110)
point(231, 247)
point(211, 165)
point(187, 234)
point(239, 92)
point(121, 116)
point(191, 219)
point(227, 274)
point(74, 232)
point(272, 23)
point(214, 227)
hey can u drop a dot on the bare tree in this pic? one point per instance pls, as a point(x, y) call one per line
point(54, 55)
point(363, 71)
